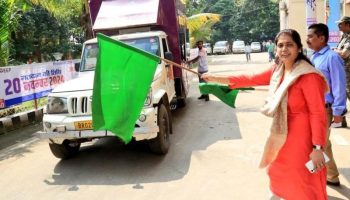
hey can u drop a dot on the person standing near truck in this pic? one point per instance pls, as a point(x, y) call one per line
point(201, 58)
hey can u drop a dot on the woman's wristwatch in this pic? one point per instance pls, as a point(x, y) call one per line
point(317, 147)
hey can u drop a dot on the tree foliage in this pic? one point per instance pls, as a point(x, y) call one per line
point(69, 11)
point(259, 20)
point(71, 16)
point(200, 26)
point(10, 12)
point(246, 20)
point(39, 35)
point(4, 32)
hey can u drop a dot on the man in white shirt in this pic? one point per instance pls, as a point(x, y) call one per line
point(247, 51)
point(202, 65)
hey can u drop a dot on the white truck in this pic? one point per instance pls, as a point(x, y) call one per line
point(68, 120)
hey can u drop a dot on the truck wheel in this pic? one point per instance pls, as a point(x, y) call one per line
point(160, 144)
point(65, 150)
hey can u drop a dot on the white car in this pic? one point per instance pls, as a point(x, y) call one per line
point(238, 46)
point(255, 46)
point(207, 48)
point(221, 47)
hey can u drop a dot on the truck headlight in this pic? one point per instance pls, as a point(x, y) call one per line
point(148, 100)
point(57, 105)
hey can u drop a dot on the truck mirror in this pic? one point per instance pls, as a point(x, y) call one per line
point(77, 66)
point(169, 56)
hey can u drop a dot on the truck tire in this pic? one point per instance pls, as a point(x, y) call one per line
point(65, 150)
point(160, 144)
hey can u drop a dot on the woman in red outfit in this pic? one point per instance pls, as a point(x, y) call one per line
point(298, 131)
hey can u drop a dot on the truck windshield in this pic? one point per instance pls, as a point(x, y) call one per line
point(90, 53)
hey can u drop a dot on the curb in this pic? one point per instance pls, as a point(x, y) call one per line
point(20, 120)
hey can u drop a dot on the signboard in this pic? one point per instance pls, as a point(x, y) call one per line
point(30, 82)
point(333, 15)
point(310, 12)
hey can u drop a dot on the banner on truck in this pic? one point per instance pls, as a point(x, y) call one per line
point(24, 83)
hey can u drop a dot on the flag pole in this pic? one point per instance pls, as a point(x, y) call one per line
point(179, 66)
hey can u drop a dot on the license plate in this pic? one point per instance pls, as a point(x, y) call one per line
point(83, 125)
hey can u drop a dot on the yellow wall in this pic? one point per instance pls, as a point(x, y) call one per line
point(346, 8)
point(297, 16)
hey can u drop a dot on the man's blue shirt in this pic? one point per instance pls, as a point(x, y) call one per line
point(332, 67)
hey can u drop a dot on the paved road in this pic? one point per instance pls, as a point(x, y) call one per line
point(214, 155)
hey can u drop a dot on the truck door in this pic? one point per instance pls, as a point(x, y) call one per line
point(169, 71)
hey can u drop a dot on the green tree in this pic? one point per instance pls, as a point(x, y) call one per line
point(199, 23)
point(39, 35)
point(259, 20)
point(242, 19)
point(73, 13)
point(200, 26)
point(194, 7)
point(4, 32)
point(226, 8)
point(10, 11)
point(68, 11)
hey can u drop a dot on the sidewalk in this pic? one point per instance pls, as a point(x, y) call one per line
point(19, 120)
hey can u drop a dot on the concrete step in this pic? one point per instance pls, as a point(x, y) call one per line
point(19, 120)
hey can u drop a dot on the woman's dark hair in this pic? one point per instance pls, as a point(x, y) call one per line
point(296, 38)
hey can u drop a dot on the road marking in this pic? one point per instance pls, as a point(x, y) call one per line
point(339, 140)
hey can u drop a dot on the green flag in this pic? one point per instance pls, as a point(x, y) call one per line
point(223, 92)
point(123, 77)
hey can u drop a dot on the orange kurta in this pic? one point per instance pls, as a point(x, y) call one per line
point(289, 178)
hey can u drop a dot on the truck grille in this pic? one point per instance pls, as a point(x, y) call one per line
point(79, 105)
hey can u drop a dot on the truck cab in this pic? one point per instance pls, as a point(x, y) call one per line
point(68, 118)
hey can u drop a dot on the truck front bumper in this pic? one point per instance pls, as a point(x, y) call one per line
point(57, 128)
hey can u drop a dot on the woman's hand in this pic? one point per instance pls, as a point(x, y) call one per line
point(318, 159)
point(207, 77)
point(215, 78)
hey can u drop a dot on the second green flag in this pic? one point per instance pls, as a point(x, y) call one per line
point(122, 80)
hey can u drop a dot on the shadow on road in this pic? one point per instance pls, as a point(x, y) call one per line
point(10, 140)
point(343, 190)
point(108, 162)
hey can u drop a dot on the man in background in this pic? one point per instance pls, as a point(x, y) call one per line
point(271, 50)
point(201, 58)
point(330, 64)
point(343, 49)
point(247, 51)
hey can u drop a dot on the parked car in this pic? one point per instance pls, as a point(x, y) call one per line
point(255, 46)
point(238, 46)
point(207, 47)
point(221, 47)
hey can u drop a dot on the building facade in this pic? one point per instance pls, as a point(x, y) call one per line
point(298, 14)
